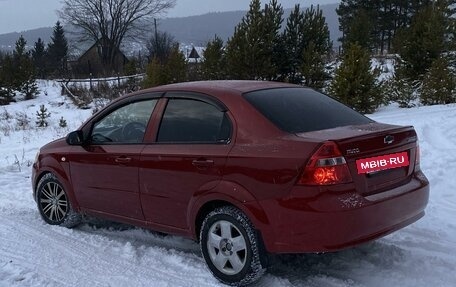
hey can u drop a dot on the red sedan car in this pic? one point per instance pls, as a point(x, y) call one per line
point(244, 167)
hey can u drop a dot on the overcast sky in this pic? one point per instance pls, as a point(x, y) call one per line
point(20, 15)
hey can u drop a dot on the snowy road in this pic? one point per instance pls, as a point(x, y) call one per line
point(35, 254)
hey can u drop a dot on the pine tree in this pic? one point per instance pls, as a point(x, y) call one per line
point(439, 84)
point(361, 30)
point(402, 89)
point(313, 67)
point(57, 51)
point(24, 71)
point(354, 83)
point(236, 65)
point(174, 69)
point(250, 52)
point(271, 25)
point(293, 46)
point(154, 72)
point(213, 66)
point(386, 17)
point(306, 47)
point(42, 116)
point(316, 48)
point(62, 123)
point(7, 80)
point(39, 58)
point(176, 66)
point(423, 42)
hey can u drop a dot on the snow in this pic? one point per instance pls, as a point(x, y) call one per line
point(98, 253)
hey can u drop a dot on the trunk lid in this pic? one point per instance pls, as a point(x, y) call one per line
point(360, 142)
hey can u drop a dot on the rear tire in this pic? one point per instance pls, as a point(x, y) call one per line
point(230, 247)
point(53, 203)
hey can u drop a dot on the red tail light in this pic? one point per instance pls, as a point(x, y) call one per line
point(326, 166)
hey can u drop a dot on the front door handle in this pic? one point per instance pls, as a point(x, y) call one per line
point(122, 159)
point(202, 163)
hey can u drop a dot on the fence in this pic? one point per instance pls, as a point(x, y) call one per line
point(94, 86)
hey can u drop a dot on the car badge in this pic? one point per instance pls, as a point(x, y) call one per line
point(353, 151)
point(389, 139)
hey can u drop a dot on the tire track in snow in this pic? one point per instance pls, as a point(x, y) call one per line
point(79, 251)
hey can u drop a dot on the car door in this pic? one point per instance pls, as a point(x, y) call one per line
point(189, 153)
point(104, 171)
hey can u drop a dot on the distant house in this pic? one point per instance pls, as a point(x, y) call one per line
point(193, 55)
point(90, 63)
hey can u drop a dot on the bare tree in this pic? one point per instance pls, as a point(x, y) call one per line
point(110, 22)
point(160, 46)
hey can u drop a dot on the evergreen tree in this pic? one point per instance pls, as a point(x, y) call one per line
point(24, 71)
point(354, 83)
point(250, 52)
point(306, 47)
point(42, 116)
point(386, 17)
point(7, 79)
point(423, 42)
point(154, 74)
point(293, 46)
point(62, 123)
point(402, 89)
point(176, 66)
point(361, 30)
point(57, 51)
point(439, 84)
point(173, 70)
point(316, 48)
point(213, 66)
point(39, 58)
point(271, 25)
point(236, 65)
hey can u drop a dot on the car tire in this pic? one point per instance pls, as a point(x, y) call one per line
point(231, 247)
point(53, 203)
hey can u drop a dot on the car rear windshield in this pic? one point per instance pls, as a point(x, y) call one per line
point(298, 110)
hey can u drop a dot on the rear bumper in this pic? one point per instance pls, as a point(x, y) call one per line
point(331, 221)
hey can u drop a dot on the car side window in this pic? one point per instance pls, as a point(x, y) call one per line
point(193, 121)
point(126, 124)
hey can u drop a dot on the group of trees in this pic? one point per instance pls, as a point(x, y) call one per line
point(420, 35)
point(374, 24)
point(16, 74)
point(265, 46)
point(260, 48)
point(19, 69)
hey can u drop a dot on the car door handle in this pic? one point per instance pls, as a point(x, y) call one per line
point(122, 159)
point(202, 163)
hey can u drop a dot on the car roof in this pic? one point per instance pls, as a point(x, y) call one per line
point(215, 87)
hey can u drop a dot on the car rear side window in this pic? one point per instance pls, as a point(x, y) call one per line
point(193, 121)
point(297, 110)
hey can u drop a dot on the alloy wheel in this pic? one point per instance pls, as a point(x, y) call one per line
point(227, 247)
point(53, 202)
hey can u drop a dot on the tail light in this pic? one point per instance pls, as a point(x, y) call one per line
point(327, 166)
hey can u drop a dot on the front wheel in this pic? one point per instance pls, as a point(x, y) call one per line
point(53, 203)
point(230, 247)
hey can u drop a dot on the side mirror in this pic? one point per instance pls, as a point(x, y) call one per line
point(75, 138)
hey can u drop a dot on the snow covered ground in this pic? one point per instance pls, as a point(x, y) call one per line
point(33, 253)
